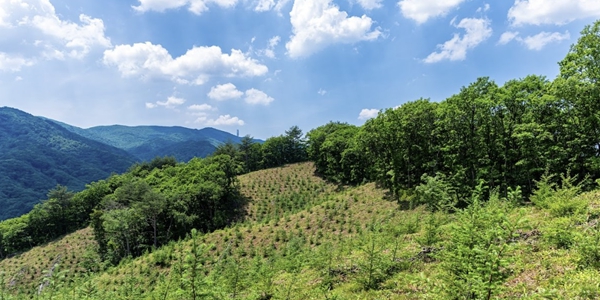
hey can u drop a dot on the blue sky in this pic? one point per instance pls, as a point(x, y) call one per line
point(261, 66)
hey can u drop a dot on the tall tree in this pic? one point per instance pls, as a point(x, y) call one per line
point(579, 86)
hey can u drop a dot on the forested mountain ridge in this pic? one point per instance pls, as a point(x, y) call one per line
point(148, 142)
point(36, 155)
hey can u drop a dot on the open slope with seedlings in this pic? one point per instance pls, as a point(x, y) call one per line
point(75, 255)
point(344, 243)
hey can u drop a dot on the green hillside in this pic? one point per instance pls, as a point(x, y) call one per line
point(36, 155)
point(347, 243)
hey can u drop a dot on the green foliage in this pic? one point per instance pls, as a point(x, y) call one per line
point(588, 248)
point(477, 256)
point(374, 265)
point(560, 233)
point(436, 193)
point(147, 212)
point(561, 200)
point(284, 149)
point(337, 154)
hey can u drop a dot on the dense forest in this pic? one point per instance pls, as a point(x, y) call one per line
point(475, 197)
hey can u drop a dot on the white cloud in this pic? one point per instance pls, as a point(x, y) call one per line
point(369, 4)
point(225, 120)
point(422, 10)
point(254, 96)
point(322, 92)
point(195, 6)
point(476, 31)
point(507, 37)
point(485, 8)
point(280, 4)
point(270, 50)
point(538, 12)
point(77, 39)
point(57, 38)
point(368, 113)
point(540, 40)
point(13, 63)
point(172, 102)
point(266, 5)
point(196, 66)
point(224, 92)
point(317, 24)
point(200, 107)
point(273, 42)
point(535, 42)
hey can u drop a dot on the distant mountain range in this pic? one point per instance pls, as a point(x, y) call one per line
point(148, 142)
point(37, 153)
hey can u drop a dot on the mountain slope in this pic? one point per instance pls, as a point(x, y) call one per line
point(304, 238)
point(148, 142)
point(36, 155)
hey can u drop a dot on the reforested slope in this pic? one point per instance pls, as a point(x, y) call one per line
point(350, 242)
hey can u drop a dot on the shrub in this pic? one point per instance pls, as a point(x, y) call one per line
point(559, 233)
point(561, 200)
point(477, 256)
point(436, 193)
point(588, 249)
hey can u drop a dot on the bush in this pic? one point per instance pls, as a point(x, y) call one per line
point(477, 257)
point(561, 200)
point(559, 233)
point(436, 193)
point(588, 249)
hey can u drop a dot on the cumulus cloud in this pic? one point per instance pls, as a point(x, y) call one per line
point(538, 12)
point(322, 92)
point(57, 38)
point(77, 39)
point(196, 66)
point(369, 4)
point(423, 10)
point(172, 102)
point(507, 37)
point(13, 63)
point(476, 32)
point(224, 92)
point(368, 113)
point(225, 120)
point(317, 24)
point(195, 6)
point(254, 96)
point(540, 40)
